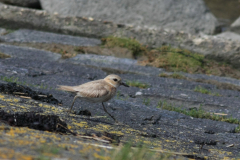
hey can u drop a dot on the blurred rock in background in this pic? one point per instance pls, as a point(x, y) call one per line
point(225, 11)
point(227, 14)
point(184, 15)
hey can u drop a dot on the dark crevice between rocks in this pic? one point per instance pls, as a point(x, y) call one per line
point(149, 134)
point(151, 120)
point(33, 5)
point(204, 141)
point(26, 92)
point(36, 121)
point(157, 120)
point(194, 157)
point(213, 129)
point(52, 123)
point(35, 73)
point(84, 113)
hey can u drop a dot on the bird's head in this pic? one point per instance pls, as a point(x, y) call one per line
point(115, 80)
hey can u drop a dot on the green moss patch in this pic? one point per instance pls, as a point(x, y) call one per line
point(171, 59)
point(16, 80)
point(2, 55)
point(131, 44)
point(146, 101)
point(205, 91)
point(137, 84)
point(199, 113)
point(9, 79)
point(49, 149)
point(219, 85)
point(127, 152)
point(175, 59)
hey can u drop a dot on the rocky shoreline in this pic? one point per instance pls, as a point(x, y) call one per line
point(167, 115)
point(214, 47)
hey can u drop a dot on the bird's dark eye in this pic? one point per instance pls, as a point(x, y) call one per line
point(115, 79)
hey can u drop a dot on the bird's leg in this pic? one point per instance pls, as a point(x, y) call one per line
point(72, 104)
point(109, 113)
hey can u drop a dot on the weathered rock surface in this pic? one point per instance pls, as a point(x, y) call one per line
point(229, 35)
point(136, 108)
point(3, 31)
point(24, 35)
point(112, 63)
point(211, 46)
point(186, 15)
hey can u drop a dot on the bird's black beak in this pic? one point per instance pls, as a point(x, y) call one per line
point(124, 84)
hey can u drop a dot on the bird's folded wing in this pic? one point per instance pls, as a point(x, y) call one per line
point(92, 90)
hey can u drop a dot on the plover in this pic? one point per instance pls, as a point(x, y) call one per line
point(100, 90)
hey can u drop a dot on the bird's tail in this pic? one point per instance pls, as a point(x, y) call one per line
point(66, 88)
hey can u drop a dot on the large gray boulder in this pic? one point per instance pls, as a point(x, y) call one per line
point(187, 15)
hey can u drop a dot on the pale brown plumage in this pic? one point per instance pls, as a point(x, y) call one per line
point(96, 91)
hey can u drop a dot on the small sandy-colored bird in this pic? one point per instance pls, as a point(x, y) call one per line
point(100, 90)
